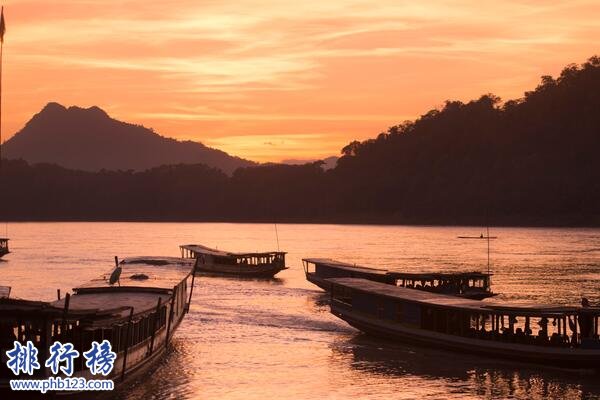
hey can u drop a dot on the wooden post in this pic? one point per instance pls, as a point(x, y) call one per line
point(58, 293)
point(127, 343)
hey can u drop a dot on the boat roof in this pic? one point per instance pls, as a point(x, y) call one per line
point(113, 304)
point(346, 266)
point(4, 239)
point(401, 275)
point(104, 303)
point(198, 248)
point(448, 301)
point(159, 276)
point(163, 273)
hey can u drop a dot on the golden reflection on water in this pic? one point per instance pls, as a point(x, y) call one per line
point(257, 339)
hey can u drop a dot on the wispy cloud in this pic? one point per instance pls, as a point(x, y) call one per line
point(254, 68)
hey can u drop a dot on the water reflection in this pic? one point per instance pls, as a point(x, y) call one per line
point(462, 374)
point(173, 379)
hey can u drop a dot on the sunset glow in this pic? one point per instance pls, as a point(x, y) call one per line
point(272, 80)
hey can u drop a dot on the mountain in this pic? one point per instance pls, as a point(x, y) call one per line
point(89, 139)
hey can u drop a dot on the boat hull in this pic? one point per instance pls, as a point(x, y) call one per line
point(550, 356)
point(320, 282)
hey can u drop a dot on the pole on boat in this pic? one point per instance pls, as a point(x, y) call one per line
point(154, 323)
point(170, 314)
point(63, 325)
point(127, 339)
point(187, 307)
point(277, 237)
point(488, 248)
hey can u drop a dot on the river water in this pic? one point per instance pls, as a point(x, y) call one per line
point(260, 339)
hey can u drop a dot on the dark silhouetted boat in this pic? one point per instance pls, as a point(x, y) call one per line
point(472, 285)
point(213, 261)
point(478, 237)
point(565, 337)
point(138, 317)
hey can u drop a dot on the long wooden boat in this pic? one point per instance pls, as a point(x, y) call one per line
point(213, 261)
point(138, 317)
point(3, 247)
point(472, 285)
point(565, 337)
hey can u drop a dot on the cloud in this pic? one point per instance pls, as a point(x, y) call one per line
point(251, 68)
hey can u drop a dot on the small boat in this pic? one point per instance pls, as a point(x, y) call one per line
point(565, 337)
point(3, 247)
point(256, 265)
point(138, 317)
point(472, 285)
point(478, 237)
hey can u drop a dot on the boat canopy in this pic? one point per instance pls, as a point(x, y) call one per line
point(328, 262)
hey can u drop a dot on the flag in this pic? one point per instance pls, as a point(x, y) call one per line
point(2, 26)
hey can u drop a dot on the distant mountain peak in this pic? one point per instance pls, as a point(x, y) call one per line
point(91, 111)
point(55, 113)
point(53, 107)
point(89, 139)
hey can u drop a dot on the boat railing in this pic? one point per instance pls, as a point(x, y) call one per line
point(80, 330)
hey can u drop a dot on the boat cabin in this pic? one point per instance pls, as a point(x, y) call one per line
point(474, 285)
point(564, 336)
point(3, 246)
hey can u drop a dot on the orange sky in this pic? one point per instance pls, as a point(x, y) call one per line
point(271, 80)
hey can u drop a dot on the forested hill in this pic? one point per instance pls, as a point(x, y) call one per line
point(528, 161)
point(535, 156)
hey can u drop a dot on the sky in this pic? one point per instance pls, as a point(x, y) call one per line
point(275, 80)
